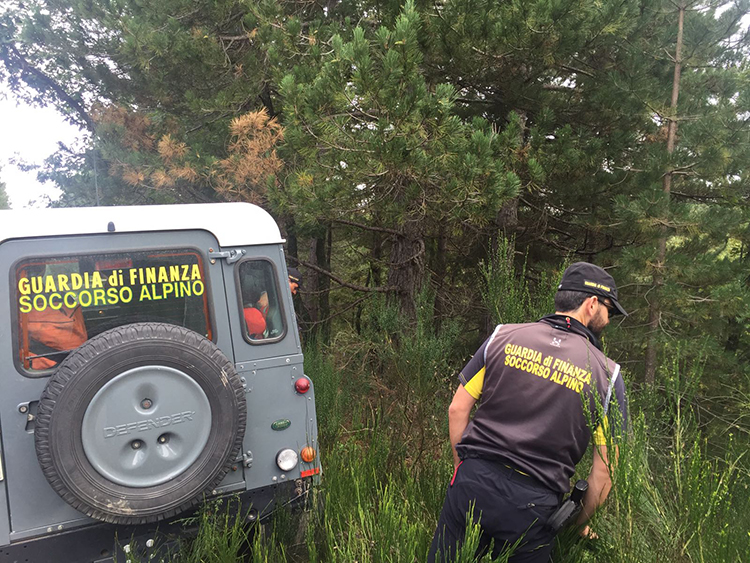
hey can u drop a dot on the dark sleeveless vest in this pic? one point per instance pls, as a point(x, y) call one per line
point(546, 385)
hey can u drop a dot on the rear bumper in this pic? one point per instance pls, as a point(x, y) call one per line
point(101, 542)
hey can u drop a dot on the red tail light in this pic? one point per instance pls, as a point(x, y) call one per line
point(302, 385)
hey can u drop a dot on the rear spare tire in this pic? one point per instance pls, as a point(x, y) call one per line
point(139, 422)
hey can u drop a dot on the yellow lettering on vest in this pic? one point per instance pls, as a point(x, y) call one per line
point(40, 302)
point(56, 305)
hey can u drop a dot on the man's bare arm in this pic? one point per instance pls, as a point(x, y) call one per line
point(600, 483)
point(458, 417)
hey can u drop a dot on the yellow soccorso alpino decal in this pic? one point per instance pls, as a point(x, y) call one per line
point(91, 289)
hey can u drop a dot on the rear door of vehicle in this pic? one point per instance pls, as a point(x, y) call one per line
point(112, 279)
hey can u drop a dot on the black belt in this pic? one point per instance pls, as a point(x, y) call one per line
point(519, 476)
point(514, 474)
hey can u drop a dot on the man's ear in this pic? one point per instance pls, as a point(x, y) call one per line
point(595, 304)
point(589, 307)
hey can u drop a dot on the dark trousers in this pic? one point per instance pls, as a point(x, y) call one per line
point(506, 504)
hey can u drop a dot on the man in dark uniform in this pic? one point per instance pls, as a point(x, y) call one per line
point(295, 280)
point(542, 387)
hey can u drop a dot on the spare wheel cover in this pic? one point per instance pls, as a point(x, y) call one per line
point(140, 422)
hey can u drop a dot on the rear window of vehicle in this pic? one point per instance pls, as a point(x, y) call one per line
point(261, 303)
point(64, 301)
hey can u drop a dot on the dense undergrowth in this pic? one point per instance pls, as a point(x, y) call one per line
point(680, 489)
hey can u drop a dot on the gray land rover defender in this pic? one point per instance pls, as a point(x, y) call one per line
point(149, 359)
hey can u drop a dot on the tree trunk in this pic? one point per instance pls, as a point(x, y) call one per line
point(317, 286)
point(374, 273)
point(376, 259)
point(506, 220)
point(439, 270)
point(654, 312)
point(735, 328)
point(406, 270)
point(286, 222)
point(323, 251)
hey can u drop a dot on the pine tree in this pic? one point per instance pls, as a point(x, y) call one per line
point(137, 74)
point(368, 132)
point(588, 86)
point(690, 165)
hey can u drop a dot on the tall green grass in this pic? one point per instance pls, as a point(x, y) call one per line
point(671, 500)
point(507, 294)
point(680, 489)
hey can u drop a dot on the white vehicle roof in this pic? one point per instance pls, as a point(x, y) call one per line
point(233, 224)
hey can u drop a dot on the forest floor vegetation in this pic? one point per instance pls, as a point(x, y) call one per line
point(680, 491)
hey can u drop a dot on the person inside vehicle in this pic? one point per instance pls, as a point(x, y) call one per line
point(272, 314)
point(52, 330)
point(256, 324)
point(255, 312)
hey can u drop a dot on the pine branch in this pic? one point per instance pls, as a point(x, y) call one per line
point(332, 316)
point(559, 231)
point(681, 170)
point(368, 227)
point(576, 70)
point(338, 280)
point(332, 145)
point(698, 197)
point(469, 101)
point(499, 57)
point(557, 88)
point(9, 49)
